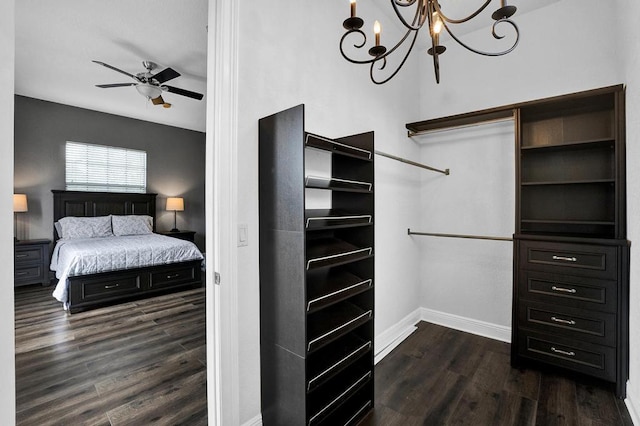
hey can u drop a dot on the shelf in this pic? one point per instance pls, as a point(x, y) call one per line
point(335, 286)
point(338, 393)
point(333, 322)
point(569, 222)
point(351, 412)
point(336, 184)
point(569, 144)
point(335, 358)
point(330, 145)
point(569, 182)
point(324, 252)
point(316, 219)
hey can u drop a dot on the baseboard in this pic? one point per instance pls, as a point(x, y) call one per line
point(256, 421)
point(480, 328)
point(633, 406)
point(386, 341)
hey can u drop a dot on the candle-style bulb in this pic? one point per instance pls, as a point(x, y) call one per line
point(437, 23)
point(377, 29)
point(353, 8)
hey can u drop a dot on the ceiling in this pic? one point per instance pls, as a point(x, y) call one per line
point(57, 40)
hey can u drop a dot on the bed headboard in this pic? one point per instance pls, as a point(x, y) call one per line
point(90, 204)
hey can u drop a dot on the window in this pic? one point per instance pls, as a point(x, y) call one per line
point(105, 168)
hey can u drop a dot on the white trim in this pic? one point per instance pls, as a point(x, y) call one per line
point(469, 325)
point(633, 406)
point(256, 421)
point(221, 214)
point(386, 341)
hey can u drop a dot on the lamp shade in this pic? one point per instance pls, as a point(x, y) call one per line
point(175, 204)
point(20, 203)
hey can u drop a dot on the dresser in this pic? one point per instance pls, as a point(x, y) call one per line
point(571, 256)
point(31, 262)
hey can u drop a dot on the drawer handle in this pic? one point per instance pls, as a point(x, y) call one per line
point(22, 273)
point(173, 276)
point(22, 255)
point(560, 351)
point(563, 321)
point(111, 286)
point(565, 258)
point(565, 290)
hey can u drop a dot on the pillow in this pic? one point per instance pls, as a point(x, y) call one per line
point(85, 227)
point(132, 225)
point(58, 228)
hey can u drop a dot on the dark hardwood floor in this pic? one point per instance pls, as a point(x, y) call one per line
point(131, 364)
point(440, 376)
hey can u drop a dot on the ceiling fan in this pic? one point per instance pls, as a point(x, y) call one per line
point(151, 85)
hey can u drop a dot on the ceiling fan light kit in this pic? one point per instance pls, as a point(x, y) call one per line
point(151, 85)
point(426, 12)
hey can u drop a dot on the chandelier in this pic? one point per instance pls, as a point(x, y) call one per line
point(426, 12)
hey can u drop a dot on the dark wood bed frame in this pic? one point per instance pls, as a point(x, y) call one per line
point(89, 291)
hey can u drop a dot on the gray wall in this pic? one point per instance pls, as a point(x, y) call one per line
point(175, 161)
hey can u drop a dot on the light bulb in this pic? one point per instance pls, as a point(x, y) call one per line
point(436, 23)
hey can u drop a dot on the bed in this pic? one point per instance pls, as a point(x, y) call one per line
point(95, 272)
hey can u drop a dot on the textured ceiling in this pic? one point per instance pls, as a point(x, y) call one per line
point(57, 40)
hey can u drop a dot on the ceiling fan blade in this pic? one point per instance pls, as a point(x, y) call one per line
point(158, 100)
point(166, 75)
point(106, 86)
point(184, 92)
point(116, 69)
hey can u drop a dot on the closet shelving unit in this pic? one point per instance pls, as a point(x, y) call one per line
point(316, 276)
point(571, 253)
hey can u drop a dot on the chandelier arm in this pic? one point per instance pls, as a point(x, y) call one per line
point(417, 17)
point(413, 42)
point(495, 35)
point(377, 58)
point(459, 21)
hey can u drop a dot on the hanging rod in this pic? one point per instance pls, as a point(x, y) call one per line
point(473, 237)
point(411, 133)
point(413, 163)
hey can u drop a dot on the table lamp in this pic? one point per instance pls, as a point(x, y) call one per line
point(19, 206)
point(177, 205)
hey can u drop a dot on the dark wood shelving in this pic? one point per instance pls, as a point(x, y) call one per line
point(571, 259)
point(321, 219)
point(334, 358)
point(336, 393)
point(324, 252)
point(333, 286)
point(333, 322)
point(335, 147)
point(338, 184)
point(316, 275)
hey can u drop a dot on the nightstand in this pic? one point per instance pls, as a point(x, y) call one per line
point(183, 235)
point(31, 262)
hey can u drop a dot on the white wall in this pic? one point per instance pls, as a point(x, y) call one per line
point(464, 277)
point(288, 55)
point(7, 359)
point(629, 33)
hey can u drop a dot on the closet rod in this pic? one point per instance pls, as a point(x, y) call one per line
point(411, 133)
point(413, 163)
point(474, 237)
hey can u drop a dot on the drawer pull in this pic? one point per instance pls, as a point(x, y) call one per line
point(565, 258)
point(111, 286)
point(560, 351)
point(22, 273)
point(173, 276)
point(563, 321)
point(564, 290)
point(21, 255)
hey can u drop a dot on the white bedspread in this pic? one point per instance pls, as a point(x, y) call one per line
point(94, 255)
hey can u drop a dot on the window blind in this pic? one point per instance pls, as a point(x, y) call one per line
point(105, 168)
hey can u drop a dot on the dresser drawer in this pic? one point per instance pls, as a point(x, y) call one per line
point(28, 255)
point(28, 274)
point(172, 276)
point(570, 259)
point(588, 326)
point(109, 288)
point(595, 360)
point(566, 290)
